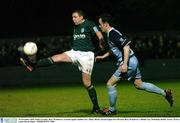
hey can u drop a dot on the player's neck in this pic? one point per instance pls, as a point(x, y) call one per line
point(82, 21)
point(109, 29)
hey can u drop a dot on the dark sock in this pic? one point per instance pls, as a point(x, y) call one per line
point(44, 62)
point(93, 96)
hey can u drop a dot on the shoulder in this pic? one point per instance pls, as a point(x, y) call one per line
point(114, 34)
point(89, 22)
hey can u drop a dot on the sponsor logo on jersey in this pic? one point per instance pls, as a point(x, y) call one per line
point(80, 36)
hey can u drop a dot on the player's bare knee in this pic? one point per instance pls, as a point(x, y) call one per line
point(109, 84)
point(112, 81)
point(86, 78)
point(86, 84)
point(56, 58)
point(137, 84)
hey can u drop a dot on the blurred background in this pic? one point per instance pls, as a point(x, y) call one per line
point(152, 25)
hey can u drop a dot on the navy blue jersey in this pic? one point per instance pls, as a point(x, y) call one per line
point(116, 43)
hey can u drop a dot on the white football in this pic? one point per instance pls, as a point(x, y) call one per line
point(30, 48)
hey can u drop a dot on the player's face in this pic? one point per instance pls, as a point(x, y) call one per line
point(76, 18)
point(102, 26)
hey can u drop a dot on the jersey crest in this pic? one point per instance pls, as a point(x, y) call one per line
point(82, 30)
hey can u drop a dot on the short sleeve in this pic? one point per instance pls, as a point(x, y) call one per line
point(93, 27)
point(118, 39)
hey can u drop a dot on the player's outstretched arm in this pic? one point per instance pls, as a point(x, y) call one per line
point(103, 56)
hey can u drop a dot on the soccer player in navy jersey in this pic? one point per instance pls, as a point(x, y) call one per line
point(128, 66)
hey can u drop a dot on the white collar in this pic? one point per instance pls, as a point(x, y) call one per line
point(109, 31)
point(82, 21)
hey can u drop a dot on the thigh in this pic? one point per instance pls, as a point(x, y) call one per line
point(61, 58)
point(72, 55)
point(132, 70)
point(86, 62)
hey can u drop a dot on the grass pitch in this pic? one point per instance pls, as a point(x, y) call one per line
point(73, 101)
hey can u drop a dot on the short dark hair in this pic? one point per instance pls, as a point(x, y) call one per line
point(80, 12)
point(106, 17)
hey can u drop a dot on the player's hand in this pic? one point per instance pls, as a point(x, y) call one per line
point(99, 58)
point(102, 45)
point(124, 68)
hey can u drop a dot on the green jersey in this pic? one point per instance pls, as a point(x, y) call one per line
point(83, 36)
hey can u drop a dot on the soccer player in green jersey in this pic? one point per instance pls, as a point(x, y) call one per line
point(81, 53)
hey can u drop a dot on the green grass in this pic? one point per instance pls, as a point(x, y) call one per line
point(73, 101)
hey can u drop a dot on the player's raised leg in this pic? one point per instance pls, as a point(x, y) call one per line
point(54, 59)
point(45, 61)
point(149, 87)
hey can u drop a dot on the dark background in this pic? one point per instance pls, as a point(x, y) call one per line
point(21, 18)
point(153, 26)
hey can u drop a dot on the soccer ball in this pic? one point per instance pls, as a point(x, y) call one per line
point(30, 48)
